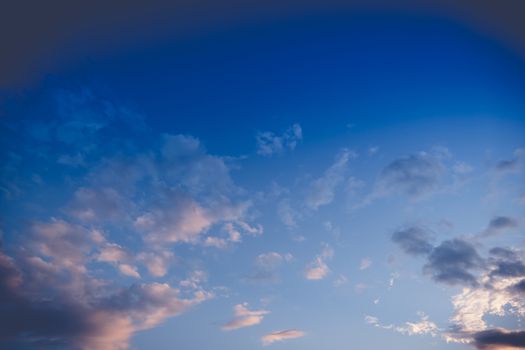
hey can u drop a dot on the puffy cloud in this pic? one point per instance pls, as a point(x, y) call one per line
point(129, 270)
point(413, 240)
point(269, 143)
point(321, 191)
point(281, 335)
point(452, 262)
point(243, 317)
point(85, 318)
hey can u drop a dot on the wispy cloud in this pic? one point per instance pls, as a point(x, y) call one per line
point(318, 269)
point(278, 336)
point(269, 143)
point(243, 317)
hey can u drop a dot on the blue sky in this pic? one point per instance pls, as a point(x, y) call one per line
point(332, 179)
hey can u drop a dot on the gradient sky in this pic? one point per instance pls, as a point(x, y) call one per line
point(294, 176)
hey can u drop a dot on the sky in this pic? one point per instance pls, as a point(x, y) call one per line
point(293, 175)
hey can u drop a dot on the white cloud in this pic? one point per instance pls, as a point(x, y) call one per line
point(129, 270)
point(421, 327)
point(243, 317)
point(318, 269)
point(281, 335)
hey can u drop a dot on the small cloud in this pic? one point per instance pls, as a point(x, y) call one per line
point(129, 270)
point(373, 150)
point(452, 263)
point(269, 143)
point(498, 225)
point(318, 269)
point(340, 280)
point(360, 288)
point(365, 264)
point(243, 317)
point(282, 335)
point(322, 190)
point(413, 240)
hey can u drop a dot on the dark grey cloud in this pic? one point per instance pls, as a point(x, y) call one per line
point(43, 316)
point(414, 176)
point(496, 338)
point(413, 240)
point(507, 165)
point(453, 261)
point(506, 263)
point(503, 253)
point(500, 224)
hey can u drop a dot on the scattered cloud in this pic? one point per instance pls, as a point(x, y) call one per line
point(318, 269)
point(498, 225)
point(269, 143)
point(243, 317)
point(278, 336)
point(421, 327)
point(365, 264)
point(321, 191)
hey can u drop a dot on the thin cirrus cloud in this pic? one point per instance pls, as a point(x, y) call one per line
point(283, 335)
point(243, 317)
point(321, 191)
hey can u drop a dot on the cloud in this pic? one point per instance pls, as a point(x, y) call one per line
point(266, 266)
point(499, 339)
point(129, 270)
point(512, 165)
point(318, 269)
point(243, 317)
point(421, 327)
point(269, 143)
point(86, 317)
point(413, 240)
point(157, 262)
point(281, 336)
point(321, 191)
point(414, 175)
point(271, 260)
point(287, 214)
point(498, 225)
point(452, 262)
point(365, 264)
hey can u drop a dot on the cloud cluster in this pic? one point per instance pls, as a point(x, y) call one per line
point(491, 285)
point(50, 297)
